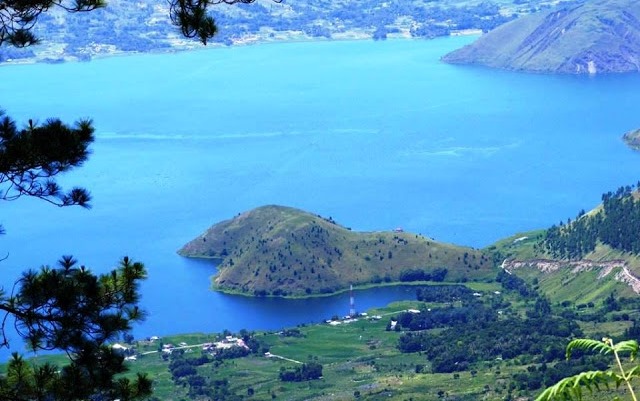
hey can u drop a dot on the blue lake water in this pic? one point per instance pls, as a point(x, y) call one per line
point(374, 134)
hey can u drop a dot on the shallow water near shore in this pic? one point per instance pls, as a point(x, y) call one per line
point(376, 135)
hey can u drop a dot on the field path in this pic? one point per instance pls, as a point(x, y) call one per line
point(270, 355)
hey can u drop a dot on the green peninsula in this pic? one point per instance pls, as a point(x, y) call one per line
point(596, 36)
point(282, 251)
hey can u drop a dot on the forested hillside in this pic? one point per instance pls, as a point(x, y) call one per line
point(614, 224)
point(581, 259)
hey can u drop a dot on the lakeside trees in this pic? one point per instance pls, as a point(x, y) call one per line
point(308, 371)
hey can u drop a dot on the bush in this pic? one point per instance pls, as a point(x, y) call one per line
point(306, 372)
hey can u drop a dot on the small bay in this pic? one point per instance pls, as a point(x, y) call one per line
point(376, 135)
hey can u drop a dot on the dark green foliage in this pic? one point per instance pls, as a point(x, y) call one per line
point(191, 16)
point(219, 390)
point(18, 17)
point(438, 274)
point(541, 308)
point(462, 344)
point(444, 293)
point(620, 374)
point(611, 304)
point(633, 332)
point(230, 353)
point(469, 313)
point(546, 375)
point(308, 371)
point(73, 310)
point(181, 367)
point(184, 373)
point(615, 225)
point(511, 282)
point(31, 157)
point(291, 333)
point(476, 331)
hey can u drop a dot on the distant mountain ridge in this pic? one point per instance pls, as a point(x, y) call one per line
point(596, 36)
point(282, 251)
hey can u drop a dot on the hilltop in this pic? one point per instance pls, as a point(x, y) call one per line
point(596, 36)
point(282, 251)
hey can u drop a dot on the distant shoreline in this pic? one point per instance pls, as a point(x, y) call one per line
point(184, 45)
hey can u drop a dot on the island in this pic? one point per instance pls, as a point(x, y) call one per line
point(592, 37)
point(286, 252)
point(632, 139)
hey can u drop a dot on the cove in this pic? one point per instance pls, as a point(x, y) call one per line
point(375, 135)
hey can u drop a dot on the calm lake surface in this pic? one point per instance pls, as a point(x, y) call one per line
point(374, 134)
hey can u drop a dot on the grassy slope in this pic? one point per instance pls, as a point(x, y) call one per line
point(275, 248)
point(564, 284)
point(565, 39)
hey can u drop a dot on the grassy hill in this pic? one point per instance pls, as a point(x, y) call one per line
point(596, 36)
point(282, 251)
